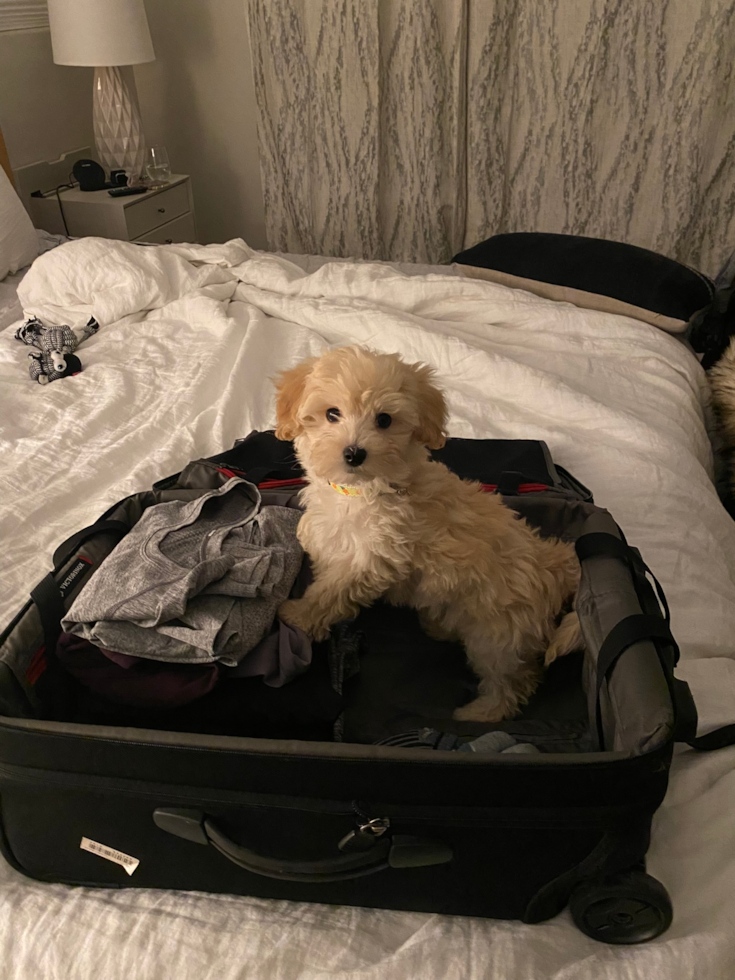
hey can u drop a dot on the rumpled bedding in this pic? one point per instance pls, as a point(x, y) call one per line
point(189, 339)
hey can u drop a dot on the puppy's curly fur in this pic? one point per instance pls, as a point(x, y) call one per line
point(415, 533)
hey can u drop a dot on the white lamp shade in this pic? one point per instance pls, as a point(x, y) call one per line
point(99, 33)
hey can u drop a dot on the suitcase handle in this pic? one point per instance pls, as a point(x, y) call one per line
point(388, 852)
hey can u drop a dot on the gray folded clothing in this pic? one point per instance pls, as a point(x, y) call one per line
point(193, 581)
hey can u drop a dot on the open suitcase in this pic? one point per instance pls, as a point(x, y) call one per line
point(354, 806)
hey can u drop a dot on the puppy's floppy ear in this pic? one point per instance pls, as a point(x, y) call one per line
point(290, 387)
point(432, 408)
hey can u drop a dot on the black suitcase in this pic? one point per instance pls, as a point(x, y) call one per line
point(318, 812)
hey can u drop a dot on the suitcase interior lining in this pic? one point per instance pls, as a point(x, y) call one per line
point(406, 680)
point(409, 681)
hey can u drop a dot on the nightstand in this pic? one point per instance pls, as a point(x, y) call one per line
point(162, 215)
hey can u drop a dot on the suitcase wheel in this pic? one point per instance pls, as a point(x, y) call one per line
point(631, 907)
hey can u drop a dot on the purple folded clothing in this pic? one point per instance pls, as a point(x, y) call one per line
point(278, 659)
point(134, 681)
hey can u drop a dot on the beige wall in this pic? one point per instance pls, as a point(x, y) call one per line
point(45, 109)
point(197, 98)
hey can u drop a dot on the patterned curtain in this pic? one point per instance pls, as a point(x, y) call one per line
point(410, 129)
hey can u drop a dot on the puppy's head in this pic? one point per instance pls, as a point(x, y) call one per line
point(357, 417)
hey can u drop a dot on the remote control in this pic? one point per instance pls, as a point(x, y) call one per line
point(124, 191)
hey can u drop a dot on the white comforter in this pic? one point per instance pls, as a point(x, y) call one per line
point(189, 338)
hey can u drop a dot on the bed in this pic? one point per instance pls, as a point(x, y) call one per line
point(189, 337)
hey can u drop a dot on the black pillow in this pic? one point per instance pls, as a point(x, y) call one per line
point(623, 272)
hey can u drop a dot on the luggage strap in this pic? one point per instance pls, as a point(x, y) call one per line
point(655, 628)
point(50, 606)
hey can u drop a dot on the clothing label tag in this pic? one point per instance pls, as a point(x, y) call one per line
point(110, 854)
point(73, 577)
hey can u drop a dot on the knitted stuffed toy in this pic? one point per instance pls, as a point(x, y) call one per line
point(56, 345)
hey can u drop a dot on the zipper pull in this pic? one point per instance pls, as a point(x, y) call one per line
point(369, 830)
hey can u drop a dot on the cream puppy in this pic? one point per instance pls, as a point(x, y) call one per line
point(384, 520)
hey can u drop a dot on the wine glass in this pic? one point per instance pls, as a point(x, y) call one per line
point(157, 166)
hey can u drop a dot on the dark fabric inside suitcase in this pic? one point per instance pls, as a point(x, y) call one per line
point(406, 680)
point(392, 677)
point(409, 681)
point(401, 679)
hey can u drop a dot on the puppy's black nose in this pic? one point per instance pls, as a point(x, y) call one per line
point(354, 455)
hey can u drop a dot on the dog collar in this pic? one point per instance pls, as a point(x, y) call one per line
point(349, 491)
point(346, 489)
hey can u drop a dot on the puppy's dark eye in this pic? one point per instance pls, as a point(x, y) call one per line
point(383, 420)
point(333, 415)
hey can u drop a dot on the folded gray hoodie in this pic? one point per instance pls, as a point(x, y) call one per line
point(193, 581)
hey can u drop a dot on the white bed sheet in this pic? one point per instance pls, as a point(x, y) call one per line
point(189, 338)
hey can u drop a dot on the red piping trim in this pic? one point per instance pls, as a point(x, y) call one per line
point(522, 487)
point(266, 484)
point(37, 665)
point(272, 484)
point(299, 481)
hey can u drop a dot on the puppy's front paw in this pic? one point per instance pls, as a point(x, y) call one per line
point(318, 632)
point(298, 612)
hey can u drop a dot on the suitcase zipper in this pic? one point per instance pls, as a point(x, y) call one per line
point(131, 787)
point(372, 819)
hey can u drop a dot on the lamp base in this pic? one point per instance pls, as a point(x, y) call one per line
point(118, 133)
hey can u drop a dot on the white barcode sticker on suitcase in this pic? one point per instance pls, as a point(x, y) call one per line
point(110, 854)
